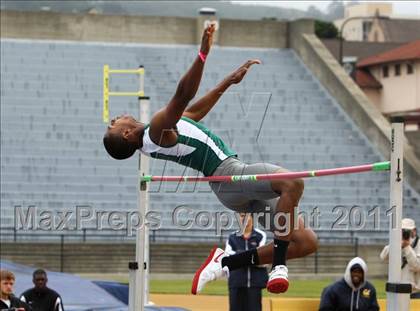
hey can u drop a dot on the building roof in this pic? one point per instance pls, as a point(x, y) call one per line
point(358, 49)
point(400, 30)
point(409, 51)
point(365, 80)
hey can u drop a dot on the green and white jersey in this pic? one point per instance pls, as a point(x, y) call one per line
point(196, 147)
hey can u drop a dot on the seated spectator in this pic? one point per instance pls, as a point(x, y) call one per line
point(353, 292)
point(42, 298)
point(7, 299)
point(410, 252)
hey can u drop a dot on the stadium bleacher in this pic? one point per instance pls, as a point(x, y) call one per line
point(51, 135)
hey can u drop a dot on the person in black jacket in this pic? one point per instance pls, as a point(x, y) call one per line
point(352, 292)
point(7, 299)
point(246, 284)
point(42, 298)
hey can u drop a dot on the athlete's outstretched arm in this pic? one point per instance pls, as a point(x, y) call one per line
point(199, 109)
point(165, 119)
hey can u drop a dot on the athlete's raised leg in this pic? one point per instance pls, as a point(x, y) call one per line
point(290, 192)
point(303, 242)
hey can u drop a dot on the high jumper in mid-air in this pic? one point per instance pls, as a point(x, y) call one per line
point(176, 134)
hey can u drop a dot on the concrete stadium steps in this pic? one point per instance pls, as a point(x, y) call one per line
point(101, 166)
point(110, 257)
point(94, 187)
point(67, 193)
point(51, 133)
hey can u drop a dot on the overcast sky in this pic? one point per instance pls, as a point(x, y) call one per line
point(407, 8)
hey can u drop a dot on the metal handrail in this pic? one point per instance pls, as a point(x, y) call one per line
point(162, 234)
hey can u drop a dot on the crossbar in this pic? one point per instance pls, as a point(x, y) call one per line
point(375, 167)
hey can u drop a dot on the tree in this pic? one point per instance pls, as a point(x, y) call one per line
point(325, 30)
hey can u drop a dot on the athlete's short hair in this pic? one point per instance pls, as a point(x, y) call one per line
point(6, 275)
point(39, 272)
point(118, 147)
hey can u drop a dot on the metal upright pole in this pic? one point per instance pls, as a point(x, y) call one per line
point(144, 202)
point(133, 267)
point(139, 269)
point(398, 294)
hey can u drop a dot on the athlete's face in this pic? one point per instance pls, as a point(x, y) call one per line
point(40, 281)
point(125, 125)
point(123, 122)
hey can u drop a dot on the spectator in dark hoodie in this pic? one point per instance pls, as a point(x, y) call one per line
point(352, 292)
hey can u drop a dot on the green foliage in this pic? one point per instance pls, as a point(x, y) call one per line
point(325, 30)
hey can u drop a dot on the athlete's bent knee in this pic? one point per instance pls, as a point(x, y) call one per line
point(311, 243)
point(298, 186)
point(292, 187)
point(295, 188)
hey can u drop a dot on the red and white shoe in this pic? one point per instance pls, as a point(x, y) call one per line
point(209, 271)
point(278, 280)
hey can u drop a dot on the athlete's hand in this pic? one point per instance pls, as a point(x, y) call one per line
point(207, 39)
point(237, 76)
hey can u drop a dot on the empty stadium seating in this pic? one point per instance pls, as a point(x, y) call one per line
point(51, 130)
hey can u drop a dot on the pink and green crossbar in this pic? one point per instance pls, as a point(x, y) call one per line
point(375, 167)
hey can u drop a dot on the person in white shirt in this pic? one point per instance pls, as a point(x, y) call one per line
point(410, 245)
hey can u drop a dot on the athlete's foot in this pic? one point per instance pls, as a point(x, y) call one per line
point(278, 280)
point(210, 270)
